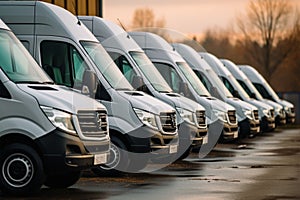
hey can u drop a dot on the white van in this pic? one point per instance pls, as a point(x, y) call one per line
point(44, 136)
point(134, 63)
point(267, 92)
point(253, 93)
point(225, 112)
point(247, 114)
point(176, 71)
point(266, 112)
point(140, 126)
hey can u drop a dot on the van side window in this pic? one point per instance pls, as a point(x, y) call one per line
point(170, 75)
point(124, 65)
point(63, 63)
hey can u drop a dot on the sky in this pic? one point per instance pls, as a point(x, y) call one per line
point(187, 16)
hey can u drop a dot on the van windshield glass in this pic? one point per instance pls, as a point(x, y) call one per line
point(150, 72)
point(238, 87)
point(17, 63)
point(253, 89)
point(193, 79)
point(106, 66)
point(217, 83)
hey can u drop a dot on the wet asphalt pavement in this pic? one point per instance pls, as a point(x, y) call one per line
point(263, 168)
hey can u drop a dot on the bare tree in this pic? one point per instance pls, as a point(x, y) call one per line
point(267, 27)
point(144, 17)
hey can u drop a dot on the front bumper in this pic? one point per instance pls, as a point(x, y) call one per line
point(290, 118)
point(248, 128)
point(230, 131)
point(267, 124)
point(63, 152)
point(147, 140)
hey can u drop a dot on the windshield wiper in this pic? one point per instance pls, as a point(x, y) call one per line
point(35, 82)
point(124, 89)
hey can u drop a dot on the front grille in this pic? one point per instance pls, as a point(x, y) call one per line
point(231, 116)
point(292, 110)
point(255, 114)
point(200, 116)
point(93, 123)
point(168, 122)
point(272, 113)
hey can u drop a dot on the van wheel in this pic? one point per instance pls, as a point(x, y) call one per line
point(118, 160)
point(21, 170)
point(62, 180)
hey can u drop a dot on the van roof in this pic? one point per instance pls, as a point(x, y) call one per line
point(156, 47)
point(110, 34)
point(235, 70)
point(194, 59)
point(48, 18)
point(252, 74)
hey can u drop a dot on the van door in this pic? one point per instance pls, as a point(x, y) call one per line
point(62, 62)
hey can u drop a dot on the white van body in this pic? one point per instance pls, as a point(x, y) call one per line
point(140, 125)
point(253, 93)
point(193, 60)
point(247, 114)
point(266, 112)
point(43, 134)
point(123, 49)
point(267, 92)
point(165, 59)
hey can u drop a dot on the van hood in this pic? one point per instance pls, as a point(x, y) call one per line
point(146, 102)
point(240, 106)
point(260, 106)
point(61, 98)
point(180, 101)
point(273, 104)
point(286, 103)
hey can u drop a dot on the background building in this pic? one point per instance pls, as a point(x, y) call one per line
point(80, 7)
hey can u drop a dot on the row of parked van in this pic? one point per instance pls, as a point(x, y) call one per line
point(112, 100)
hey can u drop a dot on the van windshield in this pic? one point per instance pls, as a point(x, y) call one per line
point(253, 89)
point(193, 79)
point(216, 82)
point(238, 87)
point(17, 63)
point(150, 72)
point(106, 66)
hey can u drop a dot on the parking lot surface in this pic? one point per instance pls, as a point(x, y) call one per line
point(266, 167)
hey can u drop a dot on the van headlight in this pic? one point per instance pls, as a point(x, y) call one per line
point(146, 117)
point(220, 115)
point(266, 112)
point(60, 119)
point(248, 114)
point(277, 110)
point(186, 115)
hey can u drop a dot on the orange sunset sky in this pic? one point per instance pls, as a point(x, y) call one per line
point(187, 16)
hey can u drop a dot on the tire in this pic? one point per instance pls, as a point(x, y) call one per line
point(21, 170)
point(64, 180)
point(118, 160)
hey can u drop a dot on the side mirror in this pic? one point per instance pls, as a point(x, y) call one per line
point(184, 89)
point(236, 94)
point(137, 82)
point(215, 93)
point(253, 95)
point(89, 83)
